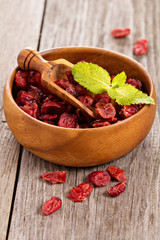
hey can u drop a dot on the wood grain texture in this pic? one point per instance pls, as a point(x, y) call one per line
point(136, 213)
point(15, 16)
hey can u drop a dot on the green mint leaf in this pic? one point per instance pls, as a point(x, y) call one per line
point(97, 80)
point(119, 80)
point(91, 76)
point(127, 95)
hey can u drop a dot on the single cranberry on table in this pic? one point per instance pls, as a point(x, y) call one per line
point(54, 177)
point(51, 205)
point(117, 173)
point(80, 192)
point(120, 32)
point(141, 47)
point(99, 178)
point(117, 189)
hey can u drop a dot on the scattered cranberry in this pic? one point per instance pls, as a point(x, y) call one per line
point(54, 177)
point(99, 178)
point(81, 192)
point(120, 32)
point(117, 189)
point(141, 47)
point(117, 173)
point(51, 205)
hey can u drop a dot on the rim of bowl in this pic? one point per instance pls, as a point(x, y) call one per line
point(119, 123)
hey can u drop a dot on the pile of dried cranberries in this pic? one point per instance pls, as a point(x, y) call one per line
point(41, 104)
point(83, 190)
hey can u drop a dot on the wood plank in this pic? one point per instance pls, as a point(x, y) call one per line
point(134, 214)
point(18, 21)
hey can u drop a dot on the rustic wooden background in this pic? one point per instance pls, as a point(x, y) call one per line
point(135, 215)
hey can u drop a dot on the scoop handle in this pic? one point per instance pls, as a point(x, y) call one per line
point(30, 59)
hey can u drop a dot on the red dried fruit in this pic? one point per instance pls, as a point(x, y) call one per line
point(21, 79)
point(68, 120)
point(117, 173)
point(52, 107)
point(141, 47)
point(100, 123)
point(120, 32)
point(51, 205)
point(99, 178)
point(81, 192)
point(48, 117)
point(135, 83)
point(65, 84)
point(24, 98)
point(70, 77)
point(106, 111)
point(86, 100)
point(112, 120)
point(31, 109)
point(102, 97)
point(34, 78)
point(54, 177)
point(81, 90)
point(127, 111)
point(117, 189)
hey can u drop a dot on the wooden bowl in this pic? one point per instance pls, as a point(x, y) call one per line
point(83, 147)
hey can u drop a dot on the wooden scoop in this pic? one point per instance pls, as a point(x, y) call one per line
point(30, 59)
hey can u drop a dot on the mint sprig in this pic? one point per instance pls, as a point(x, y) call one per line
point(97, 80)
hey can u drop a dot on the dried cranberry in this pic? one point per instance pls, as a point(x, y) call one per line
point(24, 97)
point(21, 79)
point(117, 189)
point(100, 123)
point(48, 117)
point(81, 192)
point(141, 47)
point(112, 120)
point(69, 87)
point(68, 120)
point(34, 78)
point(31, 109)
point(86, 100)
point(51, 205)
point(54, 177)
point(105, 110)
point(117, 173)
point(49, 122)
point(103, 96)
point(120, 32)
point(70, 108)
point(99, 178)
point(81, 90)
point(52, 107)
point(70, 77)
point(127, 111)
point(135, 83)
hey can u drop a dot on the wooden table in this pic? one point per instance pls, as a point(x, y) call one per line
point(135, 215)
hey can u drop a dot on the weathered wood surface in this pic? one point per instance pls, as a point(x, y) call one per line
point(136, 213)
point(20, 23)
